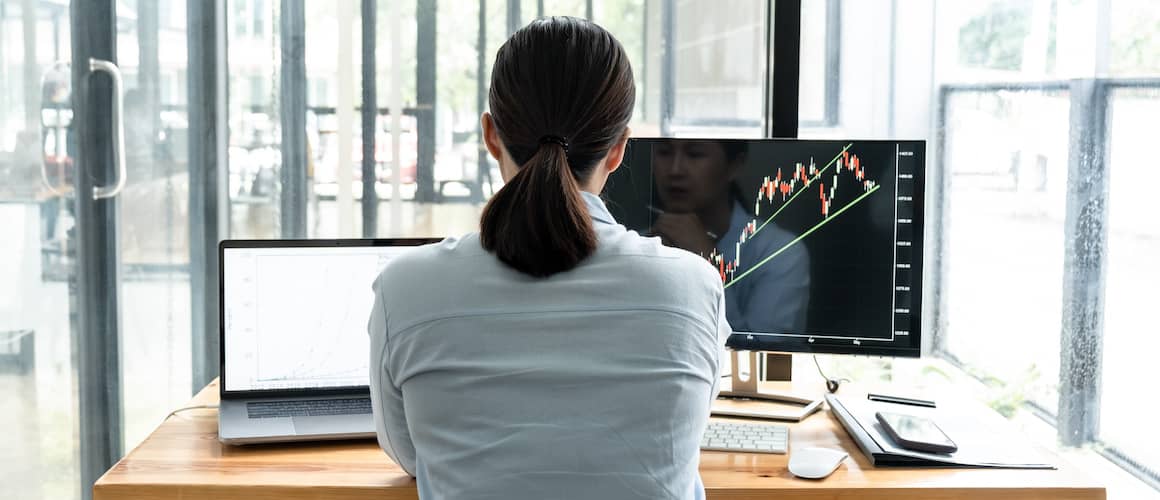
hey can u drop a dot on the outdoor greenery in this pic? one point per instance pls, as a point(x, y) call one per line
point(994, 39)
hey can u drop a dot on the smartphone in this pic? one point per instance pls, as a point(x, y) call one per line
point(916, 433)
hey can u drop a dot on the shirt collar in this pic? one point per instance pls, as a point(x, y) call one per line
point(596, 208)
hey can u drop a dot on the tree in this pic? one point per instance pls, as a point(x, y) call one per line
point(994, 39)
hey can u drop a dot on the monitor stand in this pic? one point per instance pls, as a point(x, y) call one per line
point(746, 387)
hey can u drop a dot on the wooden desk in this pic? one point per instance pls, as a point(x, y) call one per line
point(183, 459)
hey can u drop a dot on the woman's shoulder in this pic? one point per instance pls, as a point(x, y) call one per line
point(450, 246)
point(429, 261)
point(646, 256)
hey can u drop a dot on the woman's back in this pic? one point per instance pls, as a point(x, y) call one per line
point(554, 354)
point(594, 383)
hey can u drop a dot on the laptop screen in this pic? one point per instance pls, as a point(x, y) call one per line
point(296, 317)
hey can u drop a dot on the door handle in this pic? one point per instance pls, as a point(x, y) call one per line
point(109, 67)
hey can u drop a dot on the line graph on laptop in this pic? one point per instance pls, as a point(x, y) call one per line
point(311, 323)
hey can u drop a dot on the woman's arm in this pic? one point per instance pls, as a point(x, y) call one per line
point(723, 333)
point(386, 398)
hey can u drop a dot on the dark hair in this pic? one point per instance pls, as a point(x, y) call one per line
point(561, 96)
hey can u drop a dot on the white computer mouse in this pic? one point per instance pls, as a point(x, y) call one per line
point(815, 463)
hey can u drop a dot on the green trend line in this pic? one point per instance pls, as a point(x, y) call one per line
point(799, 238)
point(802, 190)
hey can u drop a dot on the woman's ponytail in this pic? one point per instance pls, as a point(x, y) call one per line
point(557, 75)
point(538, 223)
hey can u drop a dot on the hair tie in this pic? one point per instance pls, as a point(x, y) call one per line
point(555, 139)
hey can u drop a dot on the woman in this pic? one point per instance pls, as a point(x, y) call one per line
point(554, 354)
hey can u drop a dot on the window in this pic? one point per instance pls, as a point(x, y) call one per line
point(819, 73)
point(1132, 274)
point(1030, 223)
point(238, 16)
point(706, 85)
point(258, 17)
point(1006, 160)
point(720, 71)
point(38, 371)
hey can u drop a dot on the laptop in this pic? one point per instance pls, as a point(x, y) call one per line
point(295, 352)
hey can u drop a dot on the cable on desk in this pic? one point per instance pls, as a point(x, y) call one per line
point(831, 383)
point(187, 408)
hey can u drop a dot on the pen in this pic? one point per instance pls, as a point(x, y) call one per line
point(900, 400)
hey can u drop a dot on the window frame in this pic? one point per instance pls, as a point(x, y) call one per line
point(833, 66)
point(1076, 418)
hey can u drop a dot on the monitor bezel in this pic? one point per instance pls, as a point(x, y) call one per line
point(782, 343)
point(363, 390)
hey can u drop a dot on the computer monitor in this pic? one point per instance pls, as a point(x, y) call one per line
point(818, 243)
point(294, 312)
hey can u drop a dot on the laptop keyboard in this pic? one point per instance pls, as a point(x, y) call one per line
point(308, 407)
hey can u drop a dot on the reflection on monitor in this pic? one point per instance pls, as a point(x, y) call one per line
point(818, 243)
point(296, 317)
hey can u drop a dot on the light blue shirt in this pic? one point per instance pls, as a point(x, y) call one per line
point(593, 383)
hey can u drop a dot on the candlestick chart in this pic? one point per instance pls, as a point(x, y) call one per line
point(790, 187)
point(817, 243)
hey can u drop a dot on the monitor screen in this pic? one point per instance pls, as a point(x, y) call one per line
point(818, 244)
point(295, 317)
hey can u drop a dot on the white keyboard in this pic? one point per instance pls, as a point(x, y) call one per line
point(750, 437)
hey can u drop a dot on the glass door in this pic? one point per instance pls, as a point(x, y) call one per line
point(95, 344)
point(37, 253)
point(154, 221)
